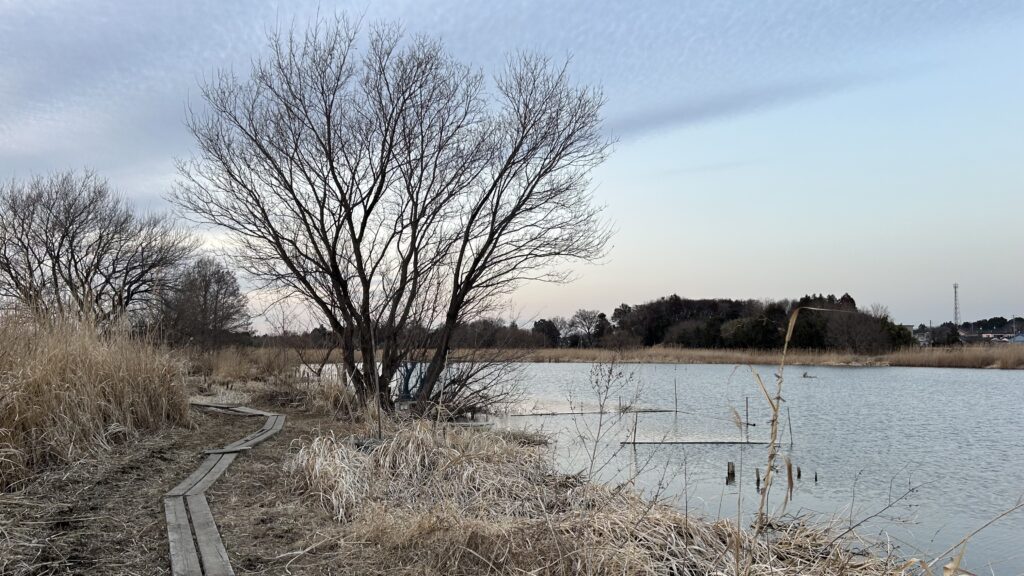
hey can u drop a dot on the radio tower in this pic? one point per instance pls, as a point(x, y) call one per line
point(956, 305)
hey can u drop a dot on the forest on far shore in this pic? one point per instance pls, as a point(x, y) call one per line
point(704, 323)
point(681, 322)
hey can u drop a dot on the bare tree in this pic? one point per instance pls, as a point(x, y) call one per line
point(531, 210)
point(587, 326)
point(71, 246)
point(384, 184)
point(205, 304)
point(879, 311)
point(485, 373)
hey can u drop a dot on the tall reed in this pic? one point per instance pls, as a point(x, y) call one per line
point(1004, 356)
point(436, 499)
point(66, 390)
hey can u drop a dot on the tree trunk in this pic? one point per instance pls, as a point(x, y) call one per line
point(435, 367)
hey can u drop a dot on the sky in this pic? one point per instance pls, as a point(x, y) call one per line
point(763, 149)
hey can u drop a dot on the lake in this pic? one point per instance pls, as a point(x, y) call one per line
point(869, 435)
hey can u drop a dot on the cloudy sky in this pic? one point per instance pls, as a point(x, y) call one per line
point(765, 149)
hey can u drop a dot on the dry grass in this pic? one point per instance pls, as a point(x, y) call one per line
point(104, 516)
point(996, 356)
point(308, 394)
point(312, 395)
point(240, 363)
point(1005, 356)
point(234, 364)
point(216, 393)
point(435, 499)
point(672, 355)
point(66, 391)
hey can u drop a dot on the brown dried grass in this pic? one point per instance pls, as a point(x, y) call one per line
point(438, 499)
point(241, 363)
point(67, 391)
point(1005, 356)
point(674, 355)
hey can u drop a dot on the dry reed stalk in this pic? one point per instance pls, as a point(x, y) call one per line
point(775, 404)
point(1004, 356)
point(439, 499)
point(66, 390)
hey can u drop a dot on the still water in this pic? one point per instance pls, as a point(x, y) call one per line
point(954, 438)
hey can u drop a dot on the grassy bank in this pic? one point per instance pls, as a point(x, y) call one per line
point(1005, 356)
point(240, 363)
point(66, 391)
point(434, 499)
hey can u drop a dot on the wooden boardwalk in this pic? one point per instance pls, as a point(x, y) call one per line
point(195, 543)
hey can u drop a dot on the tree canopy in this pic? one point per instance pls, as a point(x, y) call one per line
point(70, 246)
point(392, 188)
point(205, 306)
point(828, 322)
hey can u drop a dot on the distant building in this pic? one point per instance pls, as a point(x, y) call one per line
point(1018, 339)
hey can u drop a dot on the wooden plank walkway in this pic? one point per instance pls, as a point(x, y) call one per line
point(195, 544)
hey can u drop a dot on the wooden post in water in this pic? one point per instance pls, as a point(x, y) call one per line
point(730, 474)
point(746, 417)
point(675, 392)
point(790, 422)
point(757, 478)
point(797, 472)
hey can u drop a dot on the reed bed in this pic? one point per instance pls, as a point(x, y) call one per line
point(67, 391)
point(672, 355)
point(234, 364)
point(313, 395)
point(241, 363)
point(437, 499)
point(1005, 356)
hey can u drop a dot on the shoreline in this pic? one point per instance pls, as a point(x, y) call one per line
point(1006, 357)
point(458, 501)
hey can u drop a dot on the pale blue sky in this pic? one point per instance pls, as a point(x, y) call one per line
point(766, 149)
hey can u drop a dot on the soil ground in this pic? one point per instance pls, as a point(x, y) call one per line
point(105, 515)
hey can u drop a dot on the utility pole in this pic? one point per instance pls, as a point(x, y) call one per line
point(956, 305)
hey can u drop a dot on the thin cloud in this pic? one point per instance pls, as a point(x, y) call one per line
point(731, 104)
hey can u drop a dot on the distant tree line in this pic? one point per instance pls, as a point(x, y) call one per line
point(948, 333)
point(827, 323)
point(995, 324)
point(945, 334)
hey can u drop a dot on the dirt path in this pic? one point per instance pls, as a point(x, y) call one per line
point(106, 516)
point(267, 528)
